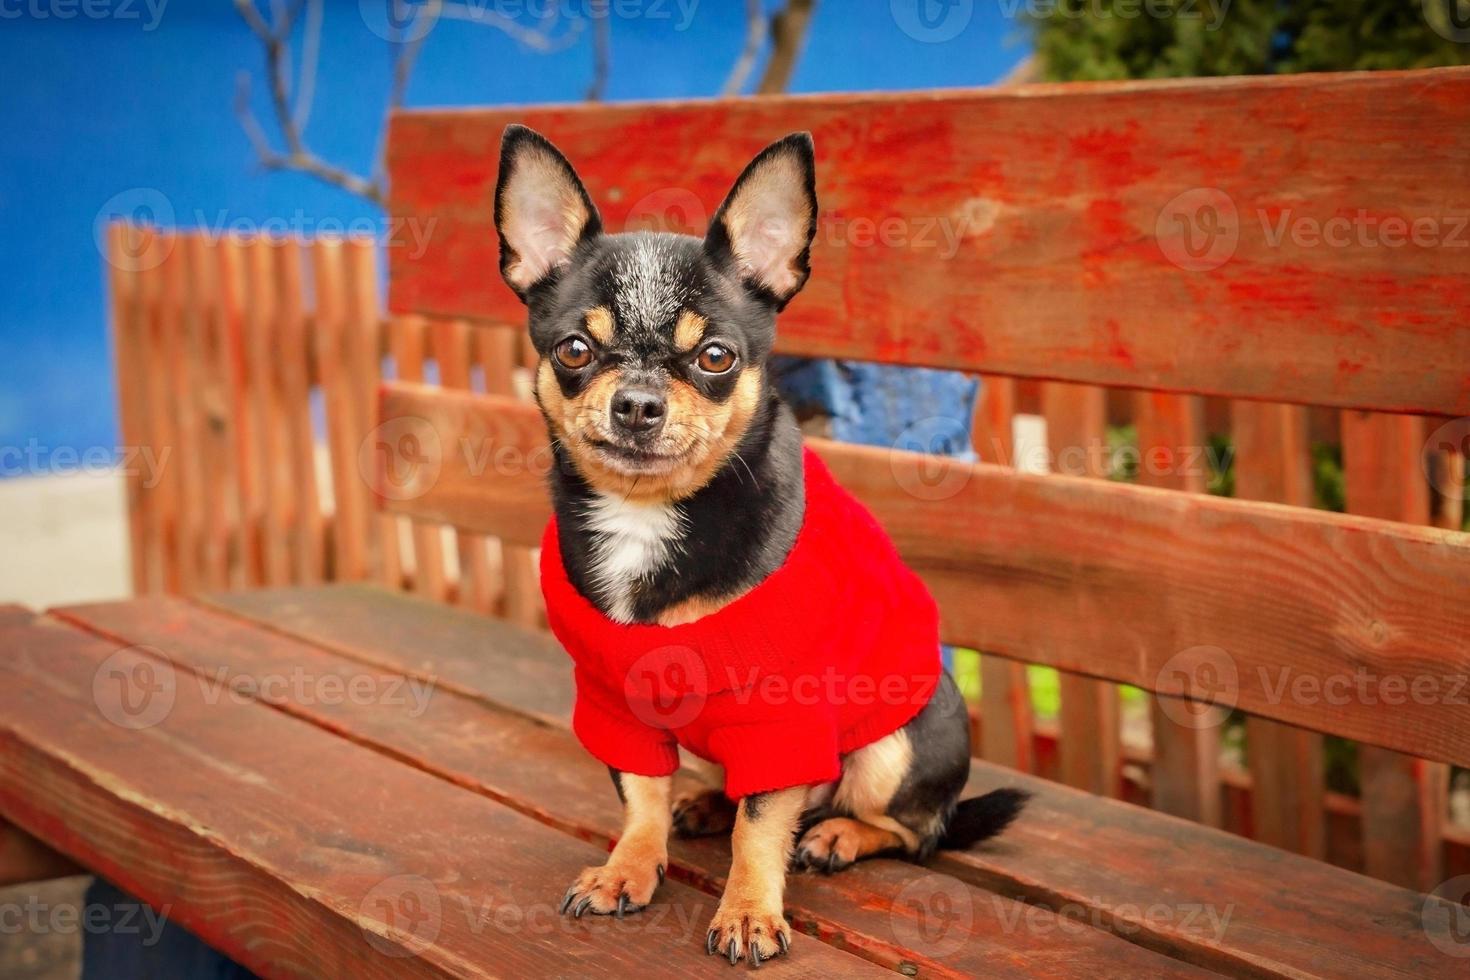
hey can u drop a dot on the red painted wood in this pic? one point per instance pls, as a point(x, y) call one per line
point(1155, 879)
point(1037, 230)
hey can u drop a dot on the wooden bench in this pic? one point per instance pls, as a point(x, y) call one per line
point(343, 780)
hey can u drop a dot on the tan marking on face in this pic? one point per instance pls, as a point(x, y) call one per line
point(689, 331)
point(600, 324)
point(701, 431)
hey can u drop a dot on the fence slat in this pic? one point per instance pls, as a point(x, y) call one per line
point(1186, 771)
point(177, 333)
point(408, 339)
point(1089, 755)
point(126, 247)
point(238, 317)
point(1005, 694)
point(291, 355)
point(1404, 798)
point(499, 354)
point(1288, 798)
point(218, 431)
point(162, 421)
point(364, 343)
point(344, 413)
point(450, 341)
point(267, 449)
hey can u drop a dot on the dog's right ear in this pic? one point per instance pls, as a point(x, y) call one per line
point(542, 211)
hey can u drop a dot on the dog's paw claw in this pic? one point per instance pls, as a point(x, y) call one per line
point(612, 890)
point(755, 935)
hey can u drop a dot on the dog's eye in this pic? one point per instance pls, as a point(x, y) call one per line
point(573, 353)
point(716, 359)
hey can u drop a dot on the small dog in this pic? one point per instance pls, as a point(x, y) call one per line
point(695, 539)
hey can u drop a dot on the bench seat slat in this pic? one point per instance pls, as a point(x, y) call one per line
point(280, 843)
point(541, 770)
point(1246, 237)
point(1163, 882)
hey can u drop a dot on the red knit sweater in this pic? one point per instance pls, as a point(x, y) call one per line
point(835, 649)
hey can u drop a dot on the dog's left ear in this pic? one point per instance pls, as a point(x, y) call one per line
point(765, 227)
point(542, 211)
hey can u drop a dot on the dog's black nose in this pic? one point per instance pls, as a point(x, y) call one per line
point(638, 411)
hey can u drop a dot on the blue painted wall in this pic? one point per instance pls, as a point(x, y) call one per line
point(141, 97)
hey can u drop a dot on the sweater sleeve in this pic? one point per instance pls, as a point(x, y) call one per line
point(608, 728)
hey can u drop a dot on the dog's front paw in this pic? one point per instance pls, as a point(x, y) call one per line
point(616, 888)
point(749, 930)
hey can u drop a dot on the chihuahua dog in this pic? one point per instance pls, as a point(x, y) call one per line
point(688, 516)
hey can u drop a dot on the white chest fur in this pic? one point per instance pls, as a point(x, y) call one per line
point(631, 540)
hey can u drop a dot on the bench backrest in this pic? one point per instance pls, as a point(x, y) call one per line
point(1070, 256)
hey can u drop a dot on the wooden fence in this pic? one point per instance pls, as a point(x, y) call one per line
point(254, 364)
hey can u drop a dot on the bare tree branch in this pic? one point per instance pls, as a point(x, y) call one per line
point(275, 36)
point(601, 50)
point(788, 37)
point(757, 29)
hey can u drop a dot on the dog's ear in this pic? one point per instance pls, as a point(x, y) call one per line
point(764, 230)
point(542, 211)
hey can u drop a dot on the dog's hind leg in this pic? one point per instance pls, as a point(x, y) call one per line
point(701, 807)
point(897, 793)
